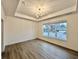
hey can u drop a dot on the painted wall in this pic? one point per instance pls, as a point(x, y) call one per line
point(3, 17)
point(2, 13)
point(72, 32)
point(18, 30)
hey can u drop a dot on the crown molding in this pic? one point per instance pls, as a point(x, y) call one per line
point(62, 12)
point(24, 16)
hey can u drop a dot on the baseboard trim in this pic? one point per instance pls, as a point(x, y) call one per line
point(19, 42)
point(76, 52)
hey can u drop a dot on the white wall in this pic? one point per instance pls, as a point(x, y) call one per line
point(2, 13)
point(18, 30)
point(72, 31)
point(3, 17)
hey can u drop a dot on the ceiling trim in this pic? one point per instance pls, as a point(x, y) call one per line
point(24, 16)
point(20, 15)
point(65, 11)
point(57, 16)
point(25, 19)
point(62, 12)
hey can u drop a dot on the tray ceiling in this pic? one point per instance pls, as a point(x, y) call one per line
point(36, 9)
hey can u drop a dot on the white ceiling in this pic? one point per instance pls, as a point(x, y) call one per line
point(29, 8)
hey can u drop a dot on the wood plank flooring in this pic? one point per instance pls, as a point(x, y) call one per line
point(37, 49)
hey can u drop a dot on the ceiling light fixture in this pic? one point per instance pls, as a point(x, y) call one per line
point(37, 9)
point(39, 12)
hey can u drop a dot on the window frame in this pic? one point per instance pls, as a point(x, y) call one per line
point(64, 21)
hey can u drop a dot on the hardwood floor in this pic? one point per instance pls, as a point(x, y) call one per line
point(37, 49)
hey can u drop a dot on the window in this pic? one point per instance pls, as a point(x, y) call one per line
point(46, 30)
point(55, 30)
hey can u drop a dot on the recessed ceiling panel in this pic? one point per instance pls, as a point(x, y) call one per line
point(41, 8)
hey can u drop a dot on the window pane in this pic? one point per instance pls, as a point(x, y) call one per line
point(52, 34)
point(45, 30)
point(61, 35)
point(57, 26)
point(61, 26)
point(61, 29)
